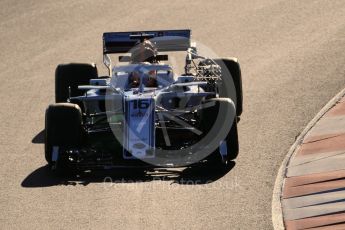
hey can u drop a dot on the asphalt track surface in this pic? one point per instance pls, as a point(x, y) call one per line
point(292, 57)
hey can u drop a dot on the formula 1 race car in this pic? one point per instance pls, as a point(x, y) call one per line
point(143, 115)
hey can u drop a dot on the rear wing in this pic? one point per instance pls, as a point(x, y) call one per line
point(164, 40)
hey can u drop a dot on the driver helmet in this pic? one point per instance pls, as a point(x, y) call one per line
point(144, 52)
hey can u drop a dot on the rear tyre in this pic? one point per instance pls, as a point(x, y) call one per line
point(63, 128)
point(72, 75)
point(233, 67)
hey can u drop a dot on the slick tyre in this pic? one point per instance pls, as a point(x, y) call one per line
point(230, 67)
point(215, 159)
point(63, 128)
point(69, 76)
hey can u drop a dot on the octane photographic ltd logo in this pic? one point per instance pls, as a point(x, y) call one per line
point(168, 112)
